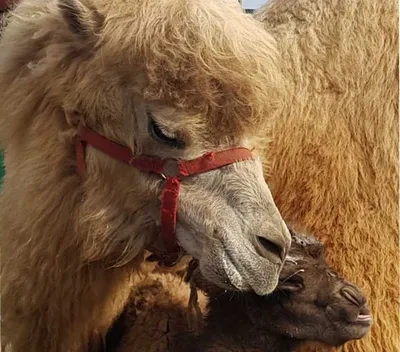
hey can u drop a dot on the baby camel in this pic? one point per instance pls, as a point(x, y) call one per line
point(312, 302)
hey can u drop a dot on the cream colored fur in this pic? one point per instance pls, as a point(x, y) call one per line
point(205, 72)
point(335, 150)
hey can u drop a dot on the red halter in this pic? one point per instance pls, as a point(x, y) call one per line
point(171, 169)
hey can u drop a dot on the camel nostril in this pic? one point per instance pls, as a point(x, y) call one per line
point(268, 248)
point(365, 311)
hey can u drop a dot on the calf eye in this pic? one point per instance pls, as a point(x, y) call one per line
point(291, 283)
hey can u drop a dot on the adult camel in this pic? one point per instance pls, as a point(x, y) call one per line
point(111, 113)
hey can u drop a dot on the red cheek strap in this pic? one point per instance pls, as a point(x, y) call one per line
point(172, 170)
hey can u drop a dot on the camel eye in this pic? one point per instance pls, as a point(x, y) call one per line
point(160, 134)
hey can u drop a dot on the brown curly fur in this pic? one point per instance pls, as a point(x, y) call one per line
point(68, 246)
point(156, 313)
point(335, 150)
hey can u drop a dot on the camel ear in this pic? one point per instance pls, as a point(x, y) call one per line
point(316, 250)
point(81, 17)
point(72, 117)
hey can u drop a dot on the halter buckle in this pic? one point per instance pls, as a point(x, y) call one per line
point(171, 168)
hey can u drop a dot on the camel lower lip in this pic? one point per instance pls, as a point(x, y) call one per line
point(240, 279)
point(235, 279)
point(230, 286)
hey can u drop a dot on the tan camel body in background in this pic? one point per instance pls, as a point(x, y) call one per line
point(334, 151)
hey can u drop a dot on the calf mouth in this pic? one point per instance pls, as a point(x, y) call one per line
point(364, 317)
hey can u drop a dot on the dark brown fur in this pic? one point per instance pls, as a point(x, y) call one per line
point(312, 302)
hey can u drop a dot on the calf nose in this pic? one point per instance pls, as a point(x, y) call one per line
point(272, 246)
point(354, 296)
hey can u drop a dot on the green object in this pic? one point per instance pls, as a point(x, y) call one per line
point(2, 168)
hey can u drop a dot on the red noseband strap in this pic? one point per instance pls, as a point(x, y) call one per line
point(172, 170)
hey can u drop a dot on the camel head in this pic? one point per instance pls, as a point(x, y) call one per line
point(170, 80)
point(312, 301)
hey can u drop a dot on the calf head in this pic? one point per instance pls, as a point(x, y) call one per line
point(312, 302)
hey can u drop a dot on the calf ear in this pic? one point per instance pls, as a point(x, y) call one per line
point(82, 18)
